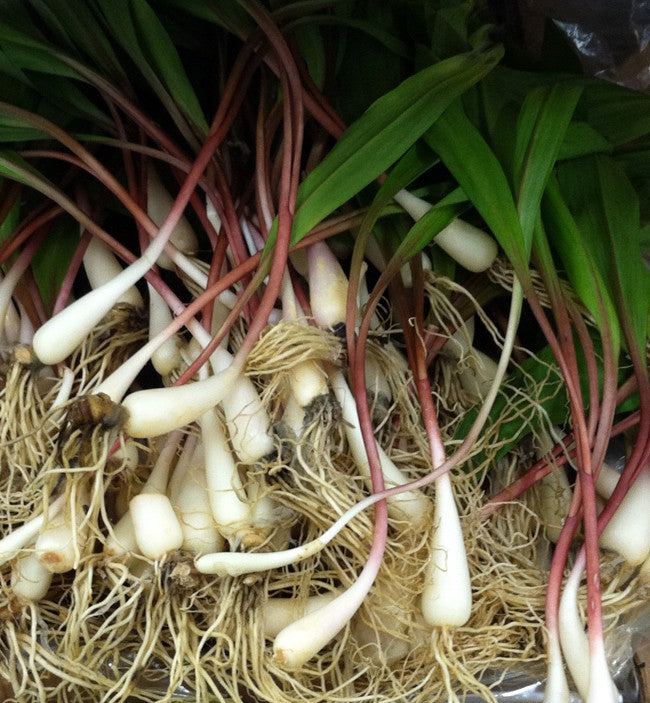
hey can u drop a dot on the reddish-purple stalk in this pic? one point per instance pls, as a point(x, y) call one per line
point(265, 128)
point(584, 497)
point(216, 266)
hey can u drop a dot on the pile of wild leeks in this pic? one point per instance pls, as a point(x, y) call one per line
point(439, 312)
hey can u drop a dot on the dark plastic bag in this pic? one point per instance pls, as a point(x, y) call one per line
point(611, 37)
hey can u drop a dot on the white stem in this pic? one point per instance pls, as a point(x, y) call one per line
point(299, 642)
point(556, 689)
point(602, 688)
point(127, 455)
point(63, 333)
point(157, 529)
point(328, 286)
point(555, 493)
point(471, 247)
point(238, 563)
point(159, 204)
point(405, 271)
point(167, 356)
point(293, 416)
point(192, 506)
point(281, 612)
point(447, 595)
point(191, 456)
point(159, 476)
point(376, 382)
point(26, 334)
point(65, 388)
point(9, 317)
point(22, 535)
point(246, 417)
point(411, 506)
point(30, 580)
point(628, 532)
point(121, 538)
point(102, 266)
point(589, 669)
point(160, 410)
point(575, 644)
point(231, 513)
point(59, 543)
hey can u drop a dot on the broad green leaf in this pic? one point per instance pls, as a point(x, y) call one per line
point(52, 259)
point(621, 208)
point(416, 161)
point(10, 222)
point(118, 16)
point(78, 28)
point(30, 54)
point(165, 58)
point(543, 121)
point(581, 140)
point(620, 115)
point(312, 49)
point(573, 248)
point(386, 131)
point(477, 170)
point(606, 209)
point(227, 14)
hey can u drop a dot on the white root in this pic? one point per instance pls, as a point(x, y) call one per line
point(447, 594)
point(30, 580)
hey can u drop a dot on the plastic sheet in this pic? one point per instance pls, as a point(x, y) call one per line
point(611, 37)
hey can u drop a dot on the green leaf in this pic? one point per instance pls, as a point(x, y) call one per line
point(620, 115)
point(10, 222)
point(164, 56)
point(53, 257)
point(30, 54)
point(77, 27)
point(621, 208)
point(573, 246)
point(473, 164)
point(542, 124)
point(386, 131)
point(118, 17)
point(581, 140)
